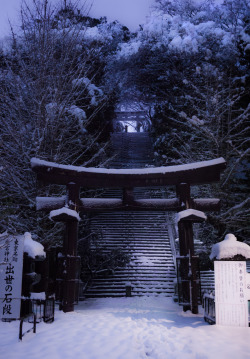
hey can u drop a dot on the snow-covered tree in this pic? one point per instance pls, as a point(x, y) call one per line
point(54, 104)
point(190, 58)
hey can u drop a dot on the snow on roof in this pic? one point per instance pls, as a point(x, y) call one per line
point(64, 210)
point(35, 162)
point(230, 247)
point(32, 247)
point(190, 212)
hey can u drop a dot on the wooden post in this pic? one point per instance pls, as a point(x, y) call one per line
point(183, 192)
point(70, 252)
point(186, 242)
point(128, 196)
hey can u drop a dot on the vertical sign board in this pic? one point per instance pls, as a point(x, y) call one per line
point(11, 269)
point(231, 293)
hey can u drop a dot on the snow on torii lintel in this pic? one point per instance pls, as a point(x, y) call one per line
point(190, 213)
point(230, 247)
point(36, 162)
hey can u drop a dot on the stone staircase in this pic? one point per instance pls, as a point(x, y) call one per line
point(142, 236)
point(131, 150)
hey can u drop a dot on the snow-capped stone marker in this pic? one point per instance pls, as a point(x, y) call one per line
point(232, 282)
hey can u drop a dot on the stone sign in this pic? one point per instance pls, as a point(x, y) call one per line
point(11, 269)
point(232, 292)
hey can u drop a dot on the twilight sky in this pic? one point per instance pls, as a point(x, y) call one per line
point(129, 12)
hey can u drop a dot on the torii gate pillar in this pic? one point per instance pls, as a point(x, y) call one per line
point(71, 262)
point(188, 261)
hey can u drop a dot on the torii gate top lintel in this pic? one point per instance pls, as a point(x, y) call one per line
point(192, 173)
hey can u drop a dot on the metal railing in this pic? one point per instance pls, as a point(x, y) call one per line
point(172, 238)
point(40, 310)
point(208, 303)
point(21, 334)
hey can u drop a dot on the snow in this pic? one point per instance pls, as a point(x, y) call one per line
point(94, 92)
point(33, 248)
point(128, 49)
point(229, 247)
point(52, 109)
point(196, 121)
point(40, 296)
point(80, 114)
point(77, 112)
point(126, 328)
point(43, 203)
point(64, 210)
point(35, 162)
point(190, 212)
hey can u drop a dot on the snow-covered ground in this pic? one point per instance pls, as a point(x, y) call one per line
point(126, 328)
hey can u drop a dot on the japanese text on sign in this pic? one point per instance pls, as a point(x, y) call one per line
point(11, 265)
point(231, 299)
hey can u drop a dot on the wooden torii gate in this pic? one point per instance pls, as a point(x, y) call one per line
point(66, 209)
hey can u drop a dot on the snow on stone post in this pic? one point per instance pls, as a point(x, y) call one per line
point(11, 268)
point(232, 282)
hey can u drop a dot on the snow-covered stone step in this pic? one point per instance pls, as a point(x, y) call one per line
point(134, 284)
point(138, 245)
point(126, 224)
point(144, 274)
point(135, 277)
point(207, 280)
point(140, 259)
point(123, 294)
point(145, 238)
point(154, 267)
point(153, 271)
point(134, 291)
point(141, 237)
point(137, 241)
point(122, 290)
